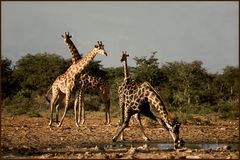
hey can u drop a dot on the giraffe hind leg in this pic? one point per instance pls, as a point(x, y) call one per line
point(59, 104)
point(145, 110)
point(137, 116)
point(68, 96)
point(52, 104)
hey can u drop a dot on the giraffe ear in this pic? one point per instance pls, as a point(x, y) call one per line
point(62, 36)
point(96, 46)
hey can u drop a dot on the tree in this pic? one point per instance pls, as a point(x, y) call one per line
point(7, 83)
point(230, 79)
point(185, 81)
point(37, 72)
point(148, 69)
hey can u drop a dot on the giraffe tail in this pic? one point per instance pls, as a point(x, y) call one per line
point(46, 96)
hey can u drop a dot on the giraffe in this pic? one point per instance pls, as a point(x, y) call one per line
point(72, 48)
point(89, 83)
point(126, 80)
point(124, 58)
point(135, 98)
point(68, 82)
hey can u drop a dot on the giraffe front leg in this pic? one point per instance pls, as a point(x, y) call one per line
point(125, 125)
point(122, 114)
point(82, 120)
point(83, 114)
point(79, 108)
point(173, 131)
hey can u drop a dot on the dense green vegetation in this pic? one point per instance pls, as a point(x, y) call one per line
point(185, 87)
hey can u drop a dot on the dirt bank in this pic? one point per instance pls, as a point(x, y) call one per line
point(31, 137)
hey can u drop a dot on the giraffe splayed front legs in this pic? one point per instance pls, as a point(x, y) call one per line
point(135, 98)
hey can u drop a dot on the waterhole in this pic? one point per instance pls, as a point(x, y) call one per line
point(114, 147)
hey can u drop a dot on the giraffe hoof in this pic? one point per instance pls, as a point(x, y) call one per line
point(146, 139)
point(114, 139)
point(50, 127)
point(77, 125)
point(108, 124)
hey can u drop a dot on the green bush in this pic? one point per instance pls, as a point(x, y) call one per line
point(22, 103)
point(228, 109)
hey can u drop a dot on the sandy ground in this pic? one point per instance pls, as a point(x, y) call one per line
point(26, 137)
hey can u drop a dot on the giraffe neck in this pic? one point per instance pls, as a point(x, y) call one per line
point(82, 63)
point(126, 73)
point(155, 99)
point(73, 50)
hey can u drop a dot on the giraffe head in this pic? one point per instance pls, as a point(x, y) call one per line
point(175, 127)
point(66, 36)
point(124, 56)
point(99, 47)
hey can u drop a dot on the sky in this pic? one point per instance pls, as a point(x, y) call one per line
point(178, 31)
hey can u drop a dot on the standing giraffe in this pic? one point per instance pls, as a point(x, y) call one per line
point(72, 48)
point(68, 82)
point(88, 83)
point(136, 98)
point(124, 58)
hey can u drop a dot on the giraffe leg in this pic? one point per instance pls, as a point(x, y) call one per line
point(51, 115)
point(170, 129)
point(107, 112)
point(57, 107)
point(104, 95)
point(68, 96)
point(52, 104)
point(165, 124)
point(137, 116)
point(82, 110)
point(79, 108)
point(76, 103)
point(57, 112)
point(122, 114)
point(125, 125)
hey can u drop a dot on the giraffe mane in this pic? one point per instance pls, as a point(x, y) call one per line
point(156, 93)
